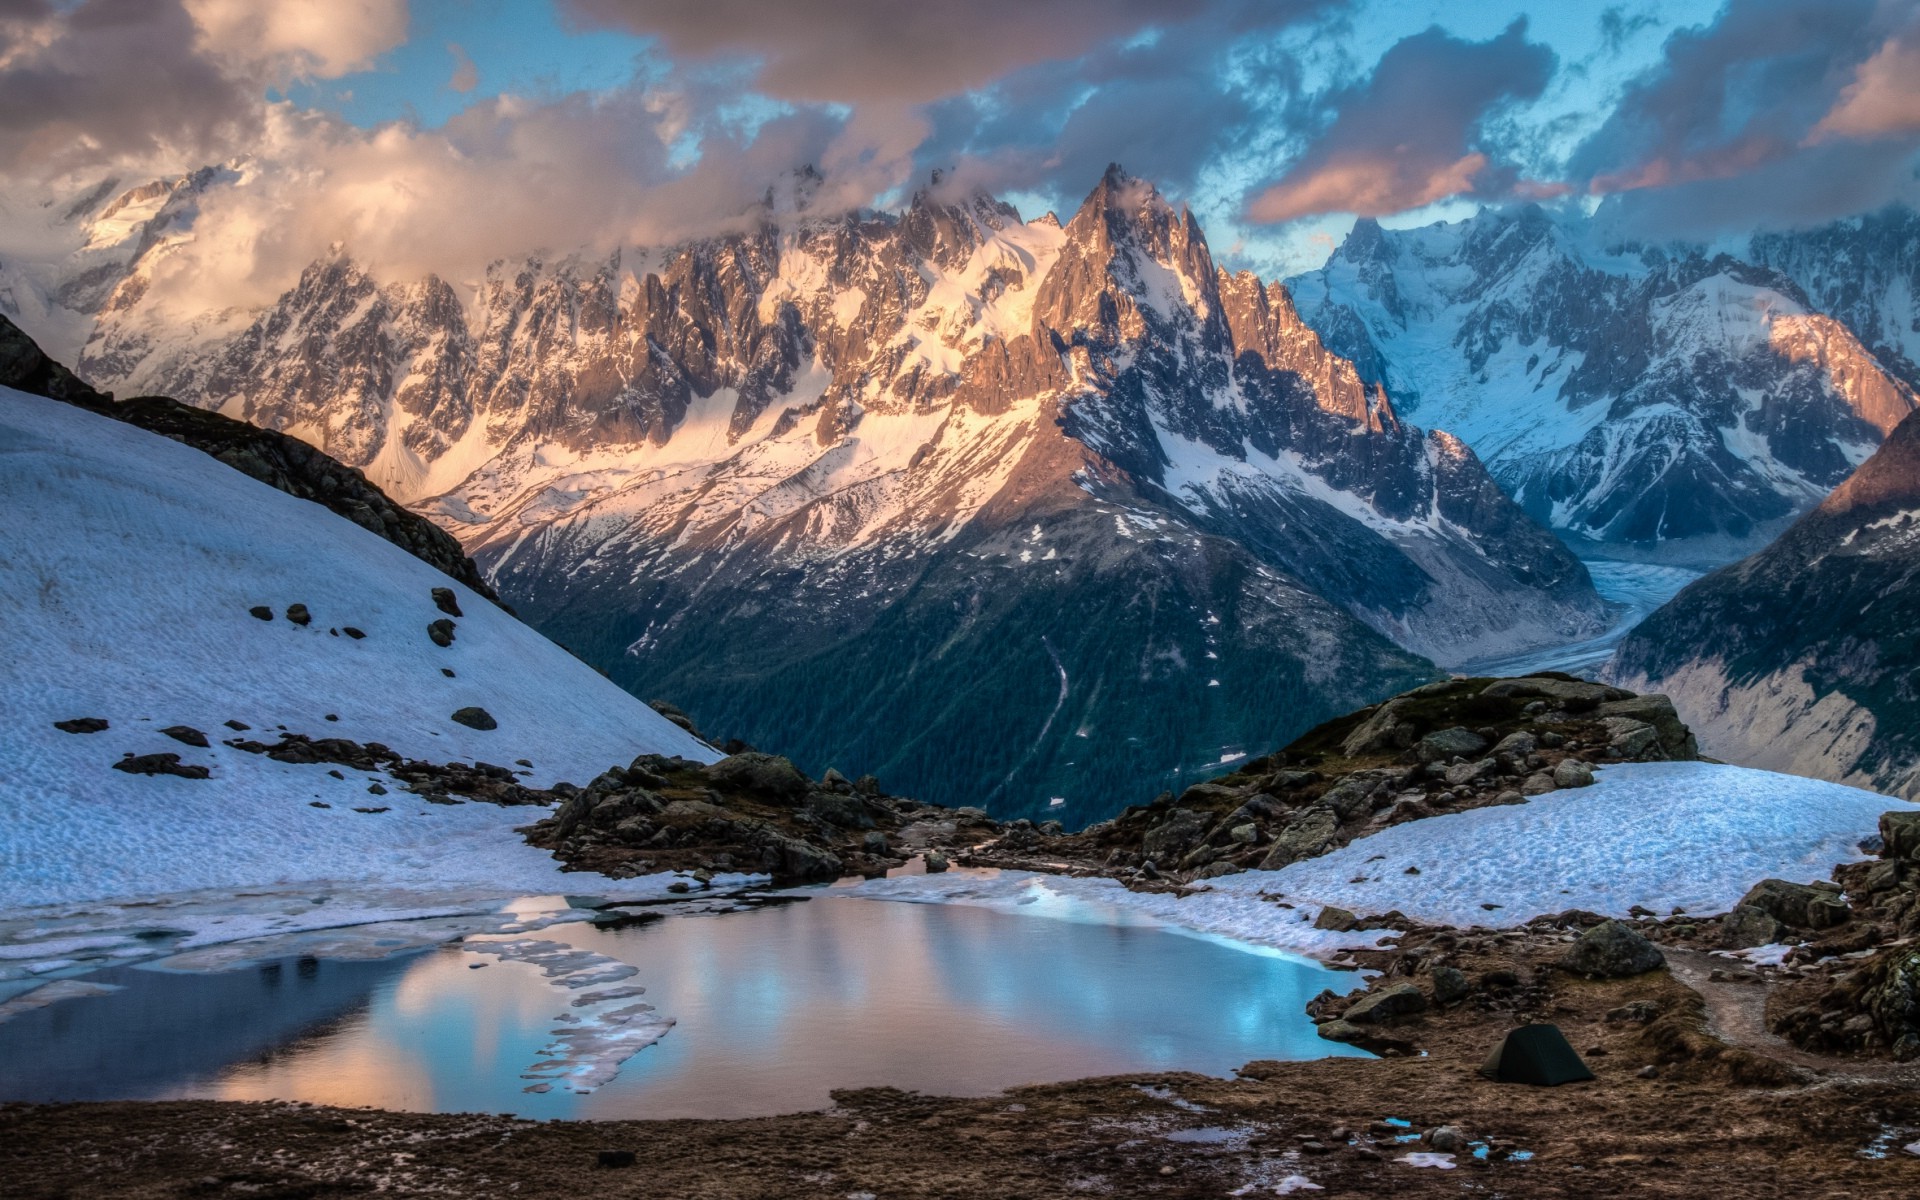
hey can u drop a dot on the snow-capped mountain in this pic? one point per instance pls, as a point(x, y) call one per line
point(1801, 658)
point(1864, 272)
point(1661, 403)
point(779, 469)
point(160, 603)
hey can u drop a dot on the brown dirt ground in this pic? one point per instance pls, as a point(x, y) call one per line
point(1717, 1119)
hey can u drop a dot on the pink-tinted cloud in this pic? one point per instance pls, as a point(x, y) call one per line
point(1411, 134)
point(1884, 98)
point(882, 50)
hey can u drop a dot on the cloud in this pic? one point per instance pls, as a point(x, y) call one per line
point(1413, 131)
point(851, 51)
point(1618, 27)
point(1884, 97)
point(1776, 114)
point(465, 76)
point(299, 39)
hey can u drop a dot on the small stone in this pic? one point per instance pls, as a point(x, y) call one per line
point(238, 726)
point(1339, 920)
point(336, 774)
point(333, 716)
point(262, 612)
point(1450, 985)
point(441, 632)
point(447, 671)
point(318, 804)
point(1648, 1072)
point(355, 634)
point(447, 602)
point(936, 862)
point(298, 614)
point(679, 886)
point(84, 725)
point(370, 810)
point(376, 790)
point(1447, 1139)
point(475, 717)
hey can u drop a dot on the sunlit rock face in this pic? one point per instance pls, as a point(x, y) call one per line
point(1010, 511)
point(1661, 402)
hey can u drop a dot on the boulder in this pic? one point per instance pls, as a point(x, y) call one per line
point(1471, 772)
point(936, 862)
point(1572, 773)
point(1747, 926)
point(791, 859)
point(1631, 739)
point(1309, 833)
point(1676, 741)
point(475, 717)
point(1402, 999)
point(843, 809)
point(1538, 784)
point(1339, 920)
point(1611, 950)
point(187, 734)
point(161, 764)
point(1574, 695)
point(1350, 797)
point(1517, 745)
point(1341, 1031)
point(1893, 1001)
point(440, 632)
point(1789, 903)
point(81, 725)
point(1449, 743)
point(1386, 731)
point(298, 614)
point(1172, 837)
point(1900, 835)
point(447, 602)
point(767, 776)
point(1450, 985)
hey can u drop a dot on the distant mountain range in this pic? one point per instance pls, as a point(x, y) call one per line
point(1020, 513)
point(1803, 657)
point(1646, 402)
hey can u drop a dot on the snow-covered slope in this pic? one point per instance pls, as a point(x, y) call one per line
point(1664, 402)
point(1691, 835)
point(128, 564)
point(1802, 657)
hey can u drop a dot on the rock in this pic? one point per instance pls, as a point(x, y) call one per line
point(791, 859)
point(1309, 833)
point(867, 785)
point(1611, 950)
point(447, 602)
point(1245, 835)
point(1215, 870)
point(475, 717)
point(161, 764)
point(767, 776)
point(1402, 999)
point(1341, 1031)
point(1449, 743)
point(1387, 731)
point(298, 614)
point(1471, 772)
point(680, 887)
point(355, 634)
point(1339, 920)
point(1675, 740)
point(1538, 785)
point(1748, 926)
point(83, 725)
point(1900, 835)
point(834, 781)
point(375, 789)
point(1574, 695)
point(1450, 985)
point(1510, 797)
point(936, 862)
point(1797, 904)
point(1448, 1139)
point(1172, 837)
point(441, 632)
point(187, 734)
point(1518, 745)
point(874, 842)
point(1572, 773)
point(844, 810)
point(971, 813)
point(1630, 738)
point(1351, 796)
point(262, 612)
point(1893, 1002)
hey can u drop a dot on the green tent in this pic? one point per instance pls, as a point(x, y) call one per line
point(1536, 1054)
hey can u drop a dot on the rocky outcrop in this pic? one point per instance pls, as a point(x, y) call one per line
point(1443, 747)
point(1800, 657)
point(274, 459)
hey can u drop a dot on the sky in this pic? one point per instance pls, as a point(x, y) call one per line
point(438, 135)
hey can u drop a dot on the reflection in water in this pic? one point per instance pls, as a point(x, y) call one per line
point(775, 1008)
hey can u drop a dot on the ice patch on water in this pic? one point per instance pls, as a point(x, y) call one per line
point(1429, 1158)
point(588, 1048)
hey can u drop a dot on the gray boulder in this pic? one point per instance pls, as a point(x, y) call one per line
point(1402, 999)
point(1611, 950)
point(1309, 833)
point(768, 776)
point(1449, 743)
point(1171, 838)
point(1900, 835)
point(1572, 773)
point(1747, 926)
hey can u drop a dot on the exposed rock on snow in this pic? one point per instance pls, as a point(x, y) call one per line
point(126, 569)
